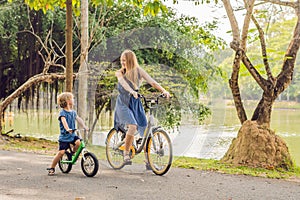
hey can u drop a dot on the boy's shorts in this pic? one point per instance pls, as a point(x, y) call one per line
point(66, 145)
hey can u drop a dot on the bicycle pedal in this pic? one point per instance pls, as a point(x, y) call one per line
point(128, 162)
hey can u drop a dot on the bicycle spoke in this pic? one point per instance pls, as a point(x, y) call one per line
point(160, 152)
point(113, 153)
point(89, 164)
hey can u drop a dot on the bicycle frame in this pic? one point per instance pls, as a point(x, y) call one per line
point(80, 149)
point(149, 133)
point(149, 129)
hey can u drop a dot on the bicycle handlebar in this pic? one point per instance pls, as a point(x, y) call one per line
point(151, 100)
point(79, 131)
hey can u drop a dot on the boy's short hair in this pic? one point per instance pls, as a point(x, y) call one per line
point(62, 99)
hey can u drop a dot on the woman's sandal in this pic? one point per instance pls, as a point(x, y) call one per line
point(127, 160)
point(51, 171)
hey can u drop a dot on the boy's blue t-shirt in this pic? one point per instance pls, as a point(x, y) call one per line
point(71, 119)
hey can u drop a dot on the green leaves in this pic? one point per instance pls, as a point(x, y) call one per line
point(154, 8)
point(150, 7)
point(48, 4)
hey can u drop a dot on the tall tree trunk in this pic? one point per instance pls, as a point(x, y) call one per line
point(69, 50)
point(262, 113)
point(83, 69)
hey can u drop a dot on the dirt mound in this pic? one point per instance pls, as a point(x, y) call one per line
point(256, 146)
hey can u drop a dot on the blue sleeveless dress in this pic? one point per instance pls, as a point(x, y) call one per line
point(129, 110)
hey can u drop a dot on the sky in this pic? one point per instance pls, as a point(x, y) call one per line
point(205, 12)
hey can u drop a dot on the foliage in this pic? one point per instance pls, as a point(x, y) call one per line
point(150, 7)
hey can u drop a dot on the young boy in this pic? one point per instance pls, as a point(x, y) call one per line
point(67, 123)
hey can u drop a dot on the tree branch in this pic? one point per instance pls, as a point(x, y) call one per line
point(263, 49)
point(249, 4)
point(234, 25)
point(31, 81)
point(285, 76)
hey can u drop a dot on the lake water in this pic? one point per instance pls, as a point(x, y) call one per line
point(213, 139)
point(210, 140)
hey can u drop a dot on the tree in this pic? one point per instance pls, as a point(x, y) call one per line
point(69, 48)
point(83, 69)
point(256, 145)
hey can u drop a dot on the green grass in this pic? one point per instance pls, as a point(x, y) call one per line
point(218, 166)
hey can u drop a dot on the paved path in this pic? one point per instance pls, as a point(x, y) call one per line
point(24, 177)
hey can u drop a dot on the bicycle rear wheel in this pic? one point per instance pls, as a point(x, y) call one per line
point(65, 167)
point(159, 152)
point(114, 154)
point(89, 164)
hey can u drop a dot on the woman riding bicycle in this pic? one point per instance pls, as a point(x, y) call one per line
point(129, 112)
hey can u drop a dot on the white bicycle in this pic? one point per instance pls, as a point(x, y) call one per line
point(157, 141)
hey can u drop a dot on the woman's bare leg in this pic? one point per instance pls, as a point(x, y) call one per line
point(128, 142)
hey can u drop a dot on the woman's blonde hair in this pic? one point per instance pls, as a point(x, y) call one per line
point(132, 67)
point(63, 98)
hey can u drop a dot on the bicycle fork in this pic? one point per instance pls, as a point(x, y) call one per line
point(151, 124)
point(155, 145)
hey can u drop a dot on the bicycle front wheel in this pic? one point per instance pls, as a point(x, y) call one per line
point(159, 152)
point(113, 153)
point(89, 164)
